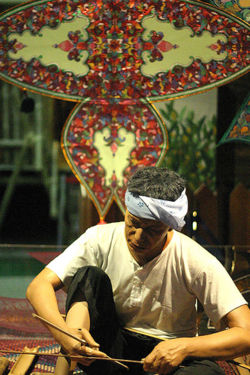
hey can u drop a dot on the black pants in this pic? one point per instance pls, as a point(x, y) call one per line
point(91, 284)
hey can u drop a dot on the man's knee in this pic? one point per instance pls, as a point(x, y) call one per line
point(94, 272)
point(91, 284)
point(89, 274)
point(94, 277)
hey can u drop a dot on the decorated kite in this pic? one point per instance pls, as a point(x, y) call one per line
point(121, 49)
point(240, 8)
point(105, 142)
point(239, 130)
point(116, 58)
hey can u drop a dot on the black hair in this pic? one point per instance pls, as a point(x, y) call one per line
point(158, 183)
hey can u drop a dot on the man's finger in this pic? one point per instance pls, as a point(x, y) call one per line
point(94, 352)
point(87, 336)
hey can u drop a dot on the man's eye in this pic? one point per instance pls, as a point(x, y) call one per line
point(135, 224)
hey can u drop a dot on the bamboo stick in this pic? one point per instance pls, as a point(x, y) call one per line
point(76, 357)
point(72, 356)
point(24, 362)
point(74, 337)
point(82, 341)
point(243, 365)
point(4, 363)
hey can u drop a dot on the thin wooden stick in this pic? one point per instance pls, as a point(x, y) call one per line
point(72, 356)
point(82, 341)
point(24, 362)
point(4, 363)
point(243, 365)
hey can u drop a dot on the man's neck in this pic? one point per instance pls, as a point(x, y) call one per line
point(169, 238)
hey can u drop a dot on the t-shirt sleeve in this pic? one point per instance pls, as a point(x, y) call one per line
point(80, 253)
point(216, 290)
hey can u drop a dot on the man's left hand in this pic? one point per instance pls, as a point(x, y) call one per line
point(166, 356)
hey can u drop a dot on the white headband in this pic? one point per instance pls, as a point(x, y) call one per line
point(168, 212)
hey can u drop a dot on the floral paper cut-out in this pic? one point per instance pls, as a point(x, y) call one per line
point(124, 49)
point(104, 143)
point(239, 130)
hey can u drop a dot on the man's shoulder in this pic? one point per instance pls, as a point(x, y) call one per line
point(98, 236)
point(185, 240)
point(108, 226)
point(104, 229)
point(189, 246)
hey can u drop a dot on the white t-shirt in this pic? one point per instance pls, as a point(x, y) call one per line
point(160, 297)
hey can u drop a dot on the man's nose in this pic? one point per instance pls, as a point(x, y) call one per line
point(139, 234)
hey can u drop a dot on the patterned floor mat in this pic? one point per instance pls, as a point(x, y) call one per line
point(42, 363)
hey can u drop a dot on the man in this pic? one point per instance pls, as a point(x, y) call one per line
point(145, 276)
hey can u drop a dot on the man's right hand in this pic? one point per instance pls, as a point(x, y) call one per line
point(74, 347)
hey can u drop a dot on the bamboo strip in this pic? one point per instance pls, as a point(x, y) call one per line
point(24, 361)
point(60, 329)
point(74, 357)
point(74, 337)
point(4, 363)
point(240, 364)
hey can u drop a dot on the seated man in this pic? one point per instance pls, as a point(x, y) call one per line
point(132, 289)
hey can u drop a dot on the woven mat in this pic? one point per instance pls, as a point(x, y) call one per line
point(42, 363)
point(228, 368)
point(16, 317)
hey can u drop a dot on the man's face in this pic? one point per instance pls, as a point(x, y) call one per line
point(145, 238)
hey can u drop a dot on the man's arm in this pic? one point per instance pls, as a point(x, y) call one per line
point(230, 343)
point(41, 295)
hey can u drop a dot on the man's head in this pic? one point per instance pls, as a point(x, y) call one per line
point(158, 183)
point(157, 194)
point(156, 203)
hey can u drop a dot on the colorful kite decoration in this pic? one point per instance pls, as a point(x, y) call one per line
point(239, 129)
point(105, 142)
point(240, 8)
point(121, 49)
point(115, 58)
